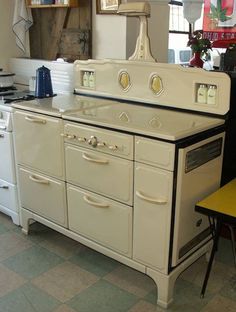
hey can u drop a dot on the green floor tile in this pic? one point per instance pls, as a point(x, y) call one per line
point(94, 262)
point(103, 297)
point(28, 299)
point(32, 262)
point(3, 229)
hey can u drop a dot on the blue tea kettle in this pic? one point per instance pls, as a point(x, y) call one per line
point(43, 86)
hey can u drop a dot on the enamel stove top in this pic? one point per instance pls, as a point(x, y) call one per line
point(156, 122)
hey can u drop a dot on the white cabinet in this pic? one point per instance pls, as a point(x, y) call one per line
point(105, 174)
point(39, 144)
point(152, 216)
point(44, 195)
point(100, 219)
point(7, 166)
point(8, 196)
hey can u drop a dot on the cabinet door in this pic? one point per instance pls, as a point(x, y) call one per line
point(100, 219)
point(108, 175)
point(7, 162)
point(8, 196)
point(39, 144)
point(152, 216)
point(43, 195)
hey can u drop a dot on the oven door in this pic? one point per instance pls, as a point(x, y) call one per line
point(7, 163)
point(199, 174)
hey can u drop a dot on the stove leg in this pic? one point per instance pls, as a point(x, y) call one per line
point(26, 216)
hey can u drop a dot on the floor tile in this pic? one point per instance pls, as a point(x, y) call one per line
point(61, 245)
point(220, 304)
point(131, 280)
point(11, 244)
point(9, 280)
point(3, 229)
point(7, 221)
point(94, 262)
point(32, 262)
point(144, 306)
point(229, 288)
point(103, 297)
point(65, 281)
point(224, 253)
point(27, 299)
point(63, 308)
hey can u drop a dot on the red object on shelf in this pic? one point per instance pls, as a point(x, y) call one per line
point(223, 43)
point(196, 60)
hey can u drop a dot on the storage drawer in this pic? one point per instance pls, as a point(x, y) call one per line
point(152, 216)
point(155, 153)
point(7, 162)
point(43, 195)
point(100, 219)
point(8, 195)
point(101, 173)
point(106, 141)
point(39, 144)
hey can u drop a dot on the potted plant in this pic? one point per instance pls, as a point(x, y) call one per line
point(199, 47)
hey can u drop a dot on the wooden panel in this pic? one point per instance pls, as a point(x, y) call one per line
point(55, 31)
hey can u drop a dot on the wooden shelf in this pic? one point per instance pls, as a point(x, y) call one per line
point(71, 4)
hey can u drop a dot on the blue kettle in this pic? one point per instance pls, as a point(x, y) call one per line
point(43, 86)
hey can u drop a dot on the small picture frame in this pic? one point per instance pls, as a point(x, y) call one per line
point(107, 6)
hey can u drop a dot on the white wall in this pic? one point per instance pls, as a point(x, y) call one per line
point(8, 47)
point(115, 36)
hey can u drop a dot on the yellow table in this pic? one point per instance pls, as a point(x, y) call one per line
point(221, 205)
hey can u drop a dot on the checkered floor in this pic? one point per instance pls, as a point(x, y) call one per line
point(46, 271)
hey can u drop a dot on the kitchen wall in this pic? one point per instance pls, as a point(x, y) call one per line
point(8, 47)
point(115, 36)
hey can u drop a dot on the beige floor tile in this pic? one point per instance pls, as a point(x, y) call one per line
point(64, 308)
point(7, 221)
point(143, 306)
point(131, 280)
point(11, 244)
point(220, 304)
point(65, 281)
point(61, 245)
point(9, 280)
point(220, 273)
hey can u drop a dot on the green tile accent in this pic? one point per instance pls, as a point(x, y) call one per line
point(32, 262)
point(103, 297)
point(28, 299)
point(94, 262)
point(3, 229)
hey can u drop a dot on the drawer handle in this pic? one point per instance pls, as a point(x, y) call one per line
point(36, 120)
point(151, 199)
point(98, 161)
point(2, 136)
point(88, 200)
point(5, 187)
point(38, 180)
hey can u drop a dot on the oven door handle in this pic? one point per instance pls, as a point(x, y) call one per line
point(36, 120)
point(38, 180)
point(88, 200)
point(151, 199)
point(98, 161)
point(5, 187)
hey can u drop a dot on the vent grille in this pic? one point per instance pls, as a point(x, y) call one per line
point(201, 155)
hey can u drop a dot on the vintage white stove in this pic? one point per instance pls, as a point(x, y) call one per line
point(122, 174)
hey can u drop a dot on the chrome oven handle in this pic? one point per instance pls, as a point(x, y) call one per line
point(98, 161)
point(38, 180)
point(36, 120)
point(88, 200)
point(5, 187)
point(151, 199)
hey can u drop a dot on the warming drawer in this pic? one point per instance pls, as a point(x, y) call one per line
point(100, 219)
point(8, 195)
point(7, 164)
point(101, 173)
point(43, 195)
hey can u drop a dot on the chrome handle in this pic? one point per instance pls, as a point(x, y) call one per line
point(5, 187)
point(2, 136)
point(38, 180)
point(95, 160)
point(88, 200)
point(36, 120)
point(151, 199)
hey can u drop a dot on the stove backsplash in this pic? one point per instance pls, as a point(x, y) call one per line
point(61, 73)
